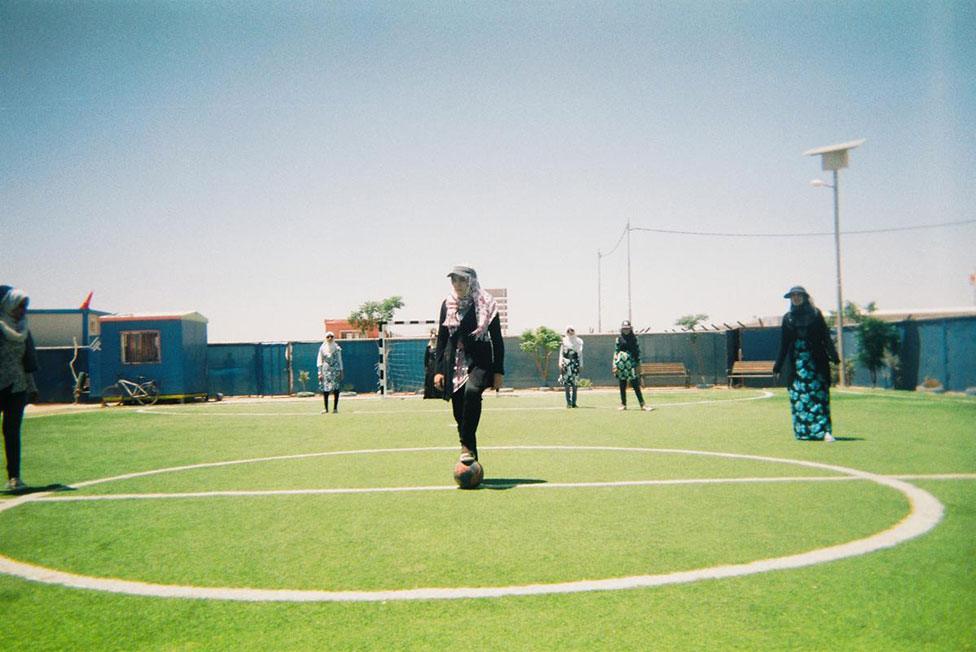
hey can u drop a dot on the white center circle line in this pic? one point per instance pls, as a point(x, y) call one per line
point(925, 513)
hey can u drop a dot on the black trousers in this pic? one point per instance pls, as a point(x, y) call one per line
point(12, 406)
point(635, 383)
point(570, 389)
point(466, 403)
point(335, 400)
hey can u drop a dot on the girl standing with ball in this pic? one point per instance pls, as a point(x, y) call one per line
point(470, 354)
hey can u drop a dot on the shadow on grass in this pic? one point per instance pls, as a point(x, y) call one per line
point(508, 483)
point(849, 438)
point(38, 490)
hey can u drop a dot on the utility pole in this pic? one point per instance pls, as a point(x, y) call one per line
point(599, 297)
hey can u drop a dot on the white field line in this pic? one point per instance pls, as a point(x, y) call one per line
point(60, 412)
point(514, 485)
point(254, 460)
point(174, 411)
point(540, 485)
point(936, 476)
point(888, 394)
point(925, 512)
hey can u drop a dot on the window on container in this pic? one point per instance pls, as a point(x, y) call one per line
point(140, 347)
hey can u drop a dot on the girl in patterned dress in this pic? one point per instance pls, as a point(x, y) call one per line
point(331, 372)
point(18, 362)
point(570, 364)
point(626, 362)
point(805, 353)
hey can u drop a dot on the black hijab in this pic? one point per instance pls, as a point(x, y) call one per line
point(628, 341)
point(802, 316)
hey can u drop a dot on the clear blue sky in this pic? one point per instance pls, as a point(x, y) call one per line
point(270, 164)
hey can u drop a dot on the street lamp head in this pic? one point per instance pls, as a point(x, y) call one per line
point(834, 157)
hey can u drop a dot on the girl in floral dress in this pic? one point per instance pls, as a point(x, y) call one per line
point(805, 353)
point(18, 362)
point(570, 364)
point(626, 365)
point(331, 372)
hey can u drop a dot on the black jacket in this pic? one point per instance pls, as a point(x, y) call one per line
point(630, 345)
point(821, 346)
point(483, 357)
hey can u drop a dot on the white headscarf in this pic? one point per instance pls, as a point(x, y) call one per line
point(327, 346)
point(12, 329)
point(484, 304)
point(572, 341)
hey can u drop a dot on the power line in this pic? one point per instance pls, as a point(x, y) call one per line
point(718, 234)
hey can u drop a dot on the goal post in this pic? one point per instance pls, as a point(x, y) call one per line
point(402, 346)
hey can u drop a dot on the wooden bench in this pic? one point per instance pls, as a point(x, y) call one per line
point(665, 369)
point(751, 369)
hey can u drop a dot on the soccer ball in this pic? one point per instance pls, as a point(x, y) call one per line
point(468, 476)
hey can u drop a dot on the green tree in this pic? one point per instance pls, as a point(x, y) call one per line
point(853, 314)
point(690, 323)
point(877, 343)
point(542, 343)
point(371, 313)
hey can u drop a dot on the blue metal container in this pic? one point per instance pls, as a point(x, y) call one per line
point(168, 348)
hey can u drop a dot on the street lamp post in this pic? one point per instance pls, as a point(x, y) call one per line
point(833, 158)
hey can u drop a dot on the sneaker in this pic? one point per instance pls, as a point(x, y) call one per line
point(622, 407)
point(15, 484)
point(829, 437)
point(646, 408)
point(324, 412)
point(466, 458)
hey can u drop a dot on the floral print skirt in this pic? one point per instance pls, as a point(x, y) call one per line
point(809, 396)
point(624, 366)
point(329, 372)
point(571, 371)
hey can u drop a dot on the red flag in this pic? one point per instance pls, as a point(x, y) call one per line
point(87, 302)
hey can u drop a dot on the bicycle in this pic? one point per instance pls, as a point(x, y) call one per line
point(143, 391)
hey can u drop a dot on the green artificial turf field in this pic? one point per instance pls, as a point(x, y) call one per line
point(240, 506)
